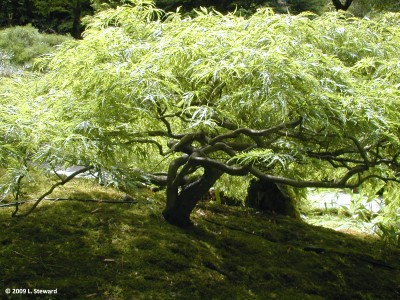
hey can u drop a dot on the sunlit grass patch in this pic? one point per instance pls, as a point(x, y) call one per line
point(343, 223)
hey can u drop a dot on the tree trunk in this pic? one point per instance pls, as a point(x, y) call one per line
point(76, 20)
point(180, 205)
point(267, 196)
point(222, 5)
point(338, 4)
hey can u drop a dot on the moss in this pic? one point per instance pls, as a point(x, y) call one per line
point(119, 251)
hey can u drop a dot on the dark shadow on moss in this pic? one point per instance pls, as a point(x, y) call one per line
point(107, 251)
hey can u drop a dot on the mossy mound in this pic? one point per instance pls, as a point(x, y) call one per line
point(127, 251)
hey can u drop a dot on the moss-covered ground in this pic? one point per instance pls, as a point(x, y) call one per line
point(95, 250)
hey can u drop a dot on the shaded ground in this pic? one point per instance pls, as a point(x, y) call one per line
point(126, 251)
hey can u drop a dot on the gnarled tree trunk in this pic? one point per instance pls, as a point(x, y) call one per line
point(180, 204)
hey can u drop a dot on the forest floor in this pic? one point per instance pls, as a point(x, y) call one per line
point(125, 250)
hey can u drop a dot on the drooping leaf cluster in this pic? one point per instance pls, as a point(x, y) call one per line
point(302, 100)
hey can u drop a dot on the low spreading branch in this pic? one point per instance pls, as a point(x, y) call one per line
point(54, 186)
point(69, 199)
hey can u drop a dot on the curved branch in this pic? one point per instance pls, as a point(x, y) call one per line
point(172, 184)
point(62, 182)
point(17, 194)
point(148, 141)
point(292, 182)
point(218, 147)
point(385, 179)
point(342, 183)
point(356, 170)
point(185, 171)
point(211, 163)
point(255, 133)
point(333, 158)
point(184, 144)
point(225, 123)
point(163, 119)
point(360, 149)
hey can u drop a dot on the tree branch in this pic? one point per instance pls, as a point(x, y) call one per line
point(163, 119)
point(255, 133)
point(211, 163)
point(172, 184)
point(184, 144)
point(62, 182)
point(360, 149)
point(148, 141)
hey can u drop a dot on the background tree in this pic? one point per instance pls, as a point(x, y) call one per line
point(361, 8)
point(15, 12)
point(51, 16)
point(292, 100)
point(65, 16)
point(247, 7)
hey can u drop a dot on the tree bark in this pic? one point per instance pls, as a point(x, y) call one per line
point(267, 196)
point(338, 4)
point(76, 20)
point(180, 205)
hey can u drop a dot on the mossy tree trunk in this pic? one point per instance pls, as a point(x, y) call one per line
point(268, 196)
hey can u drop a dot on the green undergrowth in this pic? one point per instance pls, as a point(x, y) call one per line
point(343, 223)
point(95, 250)
point(25, 43)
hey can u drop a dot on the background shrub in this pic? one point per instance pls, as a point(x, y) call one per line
point(21, 44)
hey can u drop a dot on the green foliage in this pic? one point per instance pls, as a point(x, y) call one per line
point(315, 6)
point(22, 44)
point(388, 221)
point(246, 7)
point(364, 7)
point(264, 158)
point(105, 4)
point(232, 188)
point(7, 69)
point(141, 78)
point(61, 16)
